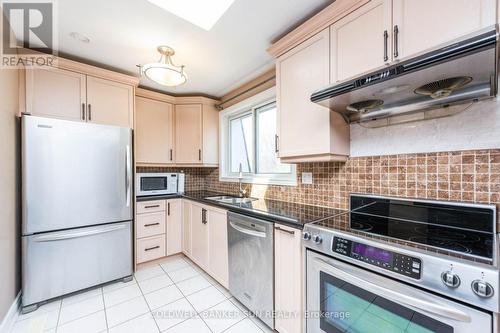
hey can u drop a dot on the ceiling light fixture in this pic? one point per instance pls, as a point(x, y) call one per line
point(80, 37)
point(164, 71)
point(202, 13)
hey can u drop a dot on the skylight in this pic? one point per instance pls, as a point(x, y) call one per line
point(203, 13)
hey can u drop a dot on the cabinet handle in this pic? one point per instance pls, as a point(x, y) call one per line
point(396, 41)
point(386, 38)
point(199, 154)
point(204, 216)
point(83, 111)
point(152, 206)
point(287, 231)
point(151, 224)
point(171, 154)
point(276, 142)
point(168, 208)
point(152, 248)
point(90, 112)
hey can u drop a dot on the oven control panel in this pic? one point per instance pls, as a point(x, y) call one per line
point(392, 261)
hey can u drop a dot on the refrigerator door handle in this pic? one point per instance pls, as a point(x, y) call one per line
point(77, 234)
point(128, 173)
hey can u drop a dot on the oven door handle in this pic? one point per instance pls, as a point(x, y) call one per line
point(426, 306)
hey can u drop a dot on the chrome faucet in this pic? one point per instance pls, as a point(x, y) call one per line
point(242, 192)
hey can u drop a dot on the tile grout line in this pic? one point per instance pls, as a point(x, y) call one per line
point(197, 313)
point(105, 312)
point(145, 300)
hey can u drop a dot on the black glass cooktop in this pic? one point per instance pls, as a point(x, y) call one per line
point(461, 228)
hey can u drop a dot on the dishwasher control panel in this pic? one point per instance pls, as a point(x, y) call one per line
point(392, 261)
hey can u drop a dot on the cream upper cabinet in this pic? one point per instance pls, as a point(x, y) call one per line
point(53, 92)
point(218, 246)
point(154, 132)
point(308, 131)
point(424, 24)
point(288, 278)
point(188, 133)
point(199, 235)
point(361, 41)
point(59, 93)
point(109, 102)
point(186, 227)
point(210, 150)
point(174, 226)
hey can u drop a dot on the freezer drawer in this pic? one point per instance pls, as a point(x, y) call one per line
point(58, 263)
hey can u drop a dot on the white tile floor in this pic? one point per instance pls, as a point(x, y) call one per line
point(174, 296)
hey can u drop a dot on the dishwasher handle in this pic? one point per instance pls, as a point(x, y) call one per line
point(247, 231)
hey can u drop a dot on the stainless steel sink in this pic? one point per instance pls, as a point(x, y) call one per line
point(231, 200)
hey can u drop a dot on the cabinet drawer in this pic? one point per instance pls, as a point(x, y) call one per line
point(150, 206)
point(150, 248)
point(150, 224)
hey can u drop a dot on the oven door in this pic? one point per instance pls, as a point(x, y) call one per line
point(344, 298)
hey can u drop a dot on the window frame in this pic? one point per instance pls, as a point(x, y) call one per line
point(245, 107)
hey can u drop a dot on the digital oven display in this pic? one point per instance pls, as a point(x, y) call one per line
point(372, 253)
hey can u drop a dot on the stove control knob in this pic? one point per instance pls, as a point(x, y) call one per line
point(450, 279)
point(317, 239)
point(306, 236)
point(482, 289)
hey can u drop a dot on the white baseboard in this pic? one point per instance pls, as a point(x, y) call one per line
point(11, 315)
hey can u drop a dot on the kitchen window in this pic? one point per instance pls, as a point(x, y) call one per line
point(248, 143)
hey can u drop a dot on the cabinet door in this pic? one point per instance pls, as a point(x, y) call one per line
point(174, 226)
point(154, 131)
point(210, 135)
point(360, 42)
point(53, 92)
point(288, 278)
point(424, 24)
point(199, 235)
point(109, 102)
point(304, 127)
point(218, 247)
point(186, 227)
point(188, 133)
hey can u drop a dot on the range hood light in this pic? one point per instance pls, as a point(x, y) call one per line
point(392, 90)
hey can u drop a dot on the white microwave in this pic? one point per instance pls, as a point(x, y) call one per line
point(159, 183)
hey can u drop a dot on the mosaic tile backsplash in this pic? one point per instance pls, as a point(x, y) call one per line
point(468, 176)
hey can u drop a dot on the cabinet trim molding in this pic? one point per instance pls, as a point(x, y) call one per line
point(102, 73)
point(177, 100)
point(314, 25)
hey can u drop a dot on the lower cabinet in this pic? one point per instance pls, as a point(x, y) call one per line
point(205, 239)
point(158, 229)
point(174, 226)
point(288, 279)
point(186, 227)
point(199, 235)
point(217, 246)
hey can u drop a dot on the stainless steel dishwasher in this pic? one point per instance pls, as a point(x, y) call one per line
point(251, 264)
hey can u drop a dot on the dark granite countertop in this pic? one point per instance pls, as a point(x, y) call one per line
point(292, 214)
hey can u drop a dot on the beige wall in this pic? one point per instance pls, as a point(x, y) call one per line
point(9, 190)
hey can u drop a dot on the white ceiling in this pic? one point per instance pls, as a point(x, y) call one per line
point(126, 33)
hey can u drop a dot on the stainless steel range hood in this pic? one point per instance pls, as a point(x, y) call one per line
point(462, 72)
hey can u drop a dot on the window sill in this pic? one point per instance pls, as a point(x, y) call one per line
point(260, 181)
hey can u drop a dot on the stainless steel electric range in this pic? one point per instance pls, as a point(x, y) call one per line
point(399, 265)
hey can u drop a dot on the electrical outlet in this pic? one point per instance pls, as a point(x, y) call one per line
point(307, 178)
